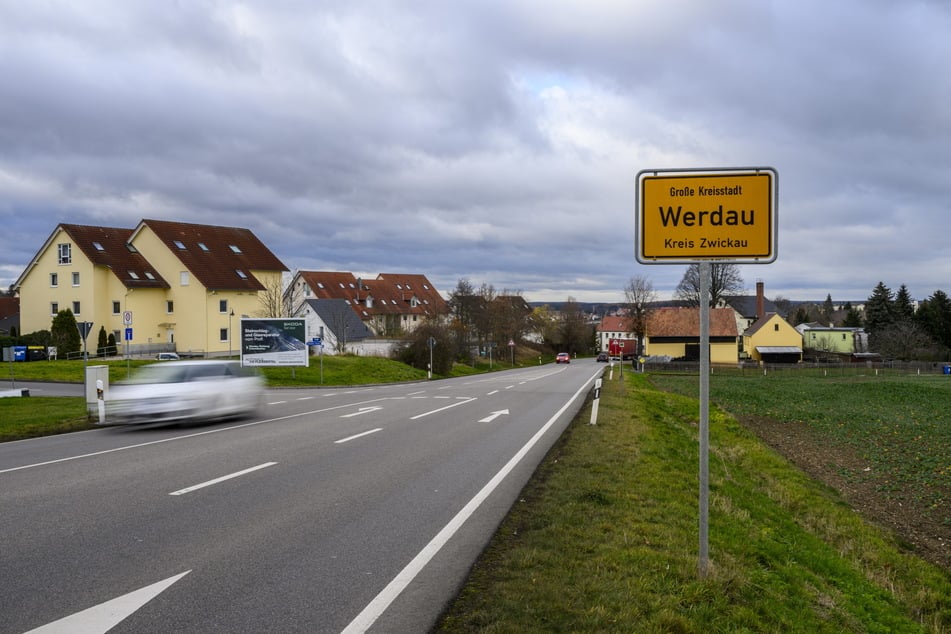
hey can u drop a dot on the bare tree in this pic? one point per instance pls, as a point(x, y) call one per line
point(639, 295)
point(904, 340)
point(575, 334)
point(271, 299)
point(725, 279)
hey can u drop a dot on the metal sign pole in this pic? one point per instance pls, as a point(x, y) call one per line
point(704, 417)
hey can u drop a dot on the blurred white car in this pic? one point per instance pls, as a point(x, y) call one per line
point(185, 391)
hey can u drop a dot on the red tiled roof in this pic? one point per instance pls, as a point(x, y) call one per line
point(221, 258)
point(9, 306)
point(614, 324)
point(390, 293)
point(685, 322)
point(109, 247)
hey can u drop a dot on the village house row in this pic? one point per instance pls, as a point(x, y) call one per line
point(173, 286)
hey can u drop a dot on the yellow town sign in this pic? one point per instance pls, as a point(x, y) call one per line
point(685, 216)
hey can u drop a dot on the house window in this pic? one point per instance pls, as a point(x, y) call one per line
point(179, 245)
point(203, 246)
point(98, 246)
point(54, 308)
point(222, 307)
point(75, 308)
point(241, 274)
point(234, 248)
point(65, 253)
point(776, 327)
point(116, 308)
point(169, 306)
point(149, 275)
point(75, 278)
point(223, 334)
point(54, 280)
point(133, 275)
point(183, 278)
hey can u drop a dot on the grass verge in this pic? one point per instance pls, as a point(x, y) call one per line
point(40, 416)
point(605, 536)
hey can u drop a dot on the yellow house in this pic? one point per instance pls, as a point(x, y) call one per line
point(161, 286)
point(675, 332)
point(772, 340)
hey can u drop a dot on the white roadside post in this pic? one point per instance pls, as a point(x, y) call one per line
point(102, 401)
point(597, 400)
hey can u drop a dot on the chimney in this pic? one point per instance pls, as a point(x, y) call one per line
point(760, 300)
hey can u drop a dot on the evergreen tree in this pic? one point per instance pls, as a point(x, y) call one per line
point(934, 316)
point(101, 342)
point(828, 310)
point(64, 334)
point(879, 313)
point(853, 318)
point(904, 306)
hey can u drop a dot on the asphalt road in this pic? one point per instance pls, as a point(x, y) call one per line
point(333, 510)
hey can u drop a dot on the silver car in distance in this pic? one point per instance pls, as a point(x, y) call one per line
point(185, 391)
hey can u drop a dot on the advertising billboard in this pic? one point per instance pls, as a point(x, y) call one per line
point(274, 341)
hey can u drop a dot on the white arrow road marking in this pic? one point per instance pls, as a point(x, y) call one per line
point(362, 410)
point(355, 436)
point(491, 417)
point(105, 616)
point(222, 479)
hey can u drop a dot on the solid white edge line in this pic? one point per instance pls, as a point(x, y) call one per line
point(382, 601)
point(355, 436)
point(223, 478)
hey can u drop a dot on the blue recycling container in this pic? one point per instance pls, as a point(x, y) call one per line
point(947, 369)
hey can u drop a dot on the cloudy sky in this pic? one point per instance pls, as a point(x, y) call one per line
point(495, 140)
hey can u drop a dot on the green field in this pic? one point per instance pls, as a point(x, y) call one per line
point(898, 425)
point(605, 538)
